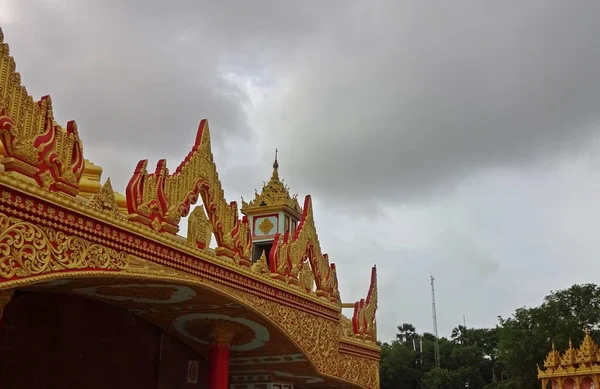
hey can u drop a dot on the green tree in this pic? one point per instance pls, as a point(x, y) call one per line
point(406, 333)
point(438, 378)
point(525, 338)
point(397, 368)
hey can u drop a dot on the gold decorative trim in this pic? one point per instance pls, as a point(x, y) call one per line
point(200, 230)
point(261, 266)
point(266, 226)
point(104, 201)
point(316, 336)
point(319, 339)
point(71, 204)
point(360, 370)
point(28, 249)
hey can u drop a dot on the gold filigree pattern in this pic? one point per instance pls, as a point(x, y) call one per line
point(261, 266)
point(318, 338)
point(105, 201)
point(34, 145)
point(266, 226)
point(346, 330)
point(307, 278)
point(27, 249)
point(359, 370)
point(199, 230)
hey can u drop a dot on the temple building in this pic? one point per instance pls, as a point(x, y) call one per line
point(575, 368)
point(99, 290)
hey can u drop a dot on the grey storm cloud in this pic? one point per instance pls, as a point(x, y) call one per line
point(402, 97)
point(405, 98)
point(452, 119)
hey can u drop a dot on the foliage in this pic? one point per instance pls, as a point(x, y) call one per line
point(438, 378)
point(504, 357)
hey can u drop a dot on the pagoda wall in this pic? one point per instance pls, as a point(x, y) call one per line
point(62, 341)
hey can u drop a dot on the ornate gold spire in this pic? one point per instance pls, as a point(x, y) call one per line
point(553, 358)
point(274, 194)
point(569, 357)
point(588, 351)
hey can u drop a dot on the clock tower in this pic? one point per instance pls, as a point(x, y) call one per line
point(272, 211)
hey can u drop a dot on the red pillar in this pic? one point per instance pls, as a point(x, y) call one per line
point(218, 366)
point(222, 333)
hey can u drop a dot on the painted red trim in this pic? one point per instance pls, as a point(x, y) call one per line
point(359, 305)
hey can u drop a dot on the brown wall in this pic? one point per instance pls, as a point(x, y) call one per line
point(52, 341)
point(173, 370)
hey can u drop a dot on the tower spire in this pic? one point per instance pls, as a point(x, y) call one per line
point(275, 166)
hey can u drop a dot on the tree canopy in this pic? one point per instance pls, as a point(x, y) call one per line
point(503, 357)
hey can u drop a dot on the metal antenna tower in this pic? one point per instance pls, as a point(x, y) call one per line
point(435, 328)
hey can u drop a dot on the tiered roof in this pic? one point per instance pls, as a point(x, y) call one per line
point(274, 194)
point(581, 361)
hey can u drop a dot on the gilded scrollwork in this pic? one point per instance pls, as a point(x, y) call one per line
point(261, 266)
point(27, 249)
point(199, 230)
point(105, 201)
point(360, 370)
point(317, 336)
point(307, 278)
point(319, 339)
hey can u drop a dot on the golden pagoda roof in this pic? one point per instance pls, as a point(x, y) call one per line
point(574, 361)
point(274, 194)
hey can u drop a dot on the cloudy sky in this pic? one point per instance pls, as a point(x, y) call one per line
point(459, 139)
